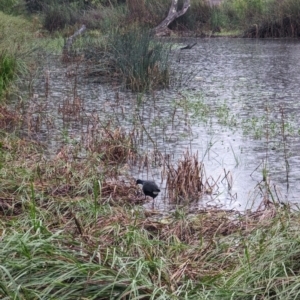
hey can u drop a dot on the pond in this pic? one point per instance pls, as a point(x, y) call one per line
point(233, 102)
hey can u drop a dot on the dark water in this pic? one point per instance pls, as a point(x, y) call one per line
point(229, 102)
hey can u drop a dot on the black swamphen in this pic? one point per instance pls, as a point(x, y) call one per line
point(150, 188)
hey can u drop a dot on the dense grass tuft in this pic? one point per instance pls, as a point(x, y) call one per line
point(141, 61)
point(8, 67)
point(16, 44)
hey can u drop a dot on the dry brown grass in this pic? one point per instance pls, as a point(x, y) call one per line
point(201, 231)
point(119, 192)
point(71, 107)
point(185, 181)
point(69, 176)
point(114, 144)
point(10, 207)
point(8, 119)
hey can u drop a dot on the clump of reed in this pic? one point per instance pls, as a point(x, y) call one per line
point(71, 107)
point(140, 61)
point(185, 182)
point(121, 192)
point(114, 145)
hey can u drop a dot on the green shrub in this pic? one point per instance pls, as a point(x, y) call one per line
point(264, 18)
point(40, 5)
point(241, 13)
point(16, 46)
point(58, 15)
point(217, 19)
point(12, 6)
point(16, 35)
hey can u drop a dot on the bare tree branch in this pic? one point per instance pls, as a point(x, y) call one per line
point(173, 14)
point(69, 42)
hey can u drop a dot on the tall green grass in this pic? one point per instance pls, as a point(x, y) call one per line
point(8, 67)
point(16, 34)
point(141, 61)
point(16, 45)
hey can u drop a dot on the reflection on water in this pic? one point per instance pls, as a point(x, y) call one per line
point(248, 92)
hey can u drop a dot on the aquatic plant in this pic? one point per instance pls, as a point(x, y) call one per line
point(113, 144)
point(139, 60)
point(186, 181)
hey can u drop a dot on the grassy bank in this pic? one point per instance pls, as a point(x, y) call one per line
point(71, 229)
point(16, 46)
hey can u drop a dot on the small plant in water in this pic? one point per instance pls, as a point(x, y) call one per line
point(140, 61)
point(185, 181)
point(265, 173)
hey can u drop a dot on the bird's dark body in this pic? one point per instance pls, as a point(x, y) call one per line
point(150, 188)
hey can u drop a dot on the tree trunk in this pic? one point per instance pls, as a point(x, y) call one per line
point(162, 28)
point(69, 42)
